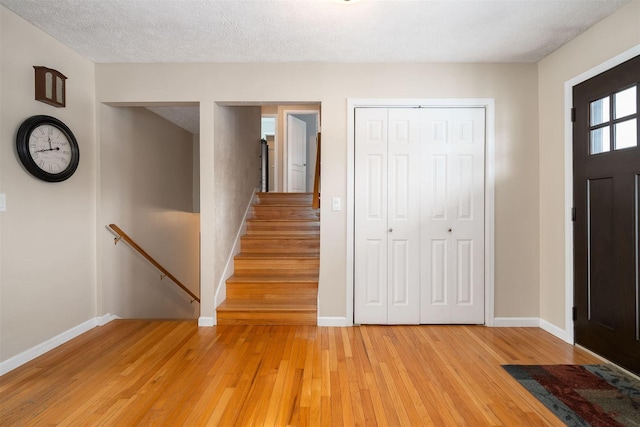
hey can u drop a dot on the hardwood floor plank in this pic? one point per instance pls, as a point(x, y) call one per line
point(142, 372)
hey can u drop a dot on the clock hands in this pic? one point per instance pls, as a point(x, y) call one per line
point(47, 149)
point(50, 146)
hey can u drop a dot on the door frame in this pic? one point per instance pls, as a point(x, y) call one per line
point(568, 333)
point(285, 142)
point(489, 238)
point(276, 175)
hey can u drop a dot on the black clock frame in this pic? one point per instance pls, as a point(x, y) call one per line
point(22, 146)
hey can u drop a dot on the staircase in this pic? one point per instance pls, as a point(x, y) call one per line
point(276, 272)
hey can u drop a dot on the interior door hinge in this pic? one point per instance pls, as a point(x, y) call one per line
point(573, 114)
point(574, 314)
point(573, 214)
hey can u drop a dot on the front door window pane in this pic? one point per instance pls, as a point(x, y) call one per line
point(626, 134)
point(600, 141)
point(600, 111)
point(625, 103)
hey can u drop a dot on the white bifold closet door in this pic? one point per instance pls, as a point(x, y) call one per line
point(419, 215)
point(452, 216)
point(387, 244)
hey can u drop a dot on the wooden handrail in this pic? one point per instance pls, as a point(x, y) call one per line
point(122, 235)
point(316, 180)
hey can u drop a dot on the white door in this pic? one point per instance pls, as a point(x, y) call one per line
point(296, 155)
point(419, 215)
point(452, 219)
point(387, 216)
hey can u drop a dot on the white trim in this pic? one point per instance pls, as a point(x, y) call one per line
point(221, 292)
point(489, 191)
point(103, 320)
point(285, 142)
point(529, 322)
point(516, 322)
point(554, 330)
point(206, 321)
point(275, 153)
point(333, 321)
point(568, 179)
point(40, 349)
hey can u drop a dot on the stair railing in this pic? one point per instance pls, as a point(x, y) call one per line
point(316, 180)
point(123, 236)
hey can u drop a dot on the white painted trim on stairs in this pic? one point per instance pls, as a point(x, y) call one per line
point(40, 349)
point(221, 292)
point(333, 321)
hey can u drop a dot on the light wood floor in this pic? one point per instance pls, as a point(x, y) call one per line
point(148, 373)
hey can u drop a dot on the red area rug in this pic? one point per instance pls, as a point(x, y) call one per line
point(583, 395)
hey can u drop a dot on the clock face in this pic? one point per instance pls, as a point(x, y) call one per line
point(47, 148)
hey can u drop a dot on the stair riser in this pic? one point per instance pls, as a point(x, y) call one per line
point(270, 234)
point(274, 232)
point(276, 263)
point(270, 272)
point(273, 291)
point(283, 226)
point(276, 246)
point(298, 199)
point(291, 213)
point(308, 297)
point(266, 318)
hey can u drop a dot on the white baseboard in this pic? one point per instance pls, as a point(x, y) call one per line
point(221, 292)
point(206, 321)
point(531, 322)
point(40, 349)
point(516, 322)
point(103, 320)
point(333, 321)
point(554, 330)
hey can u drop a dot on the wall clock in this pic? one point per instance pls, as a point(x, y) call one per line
point(47, 148)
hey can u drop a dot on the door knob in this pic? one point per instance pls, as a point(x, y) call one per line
point(449, 230)
point(391, 230)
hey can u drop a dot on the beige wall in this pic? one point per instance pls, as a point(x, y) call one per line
point(514, 87)
point(236, 177)
point(146, 188)
point(47, 235)
point(605, 40)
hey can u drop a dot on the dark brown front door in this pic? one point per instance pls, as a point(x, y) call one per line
point(606, 192)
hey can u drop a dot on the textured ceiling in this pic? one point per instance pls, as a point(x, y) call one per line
point(137, 31)
point(313, 30)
